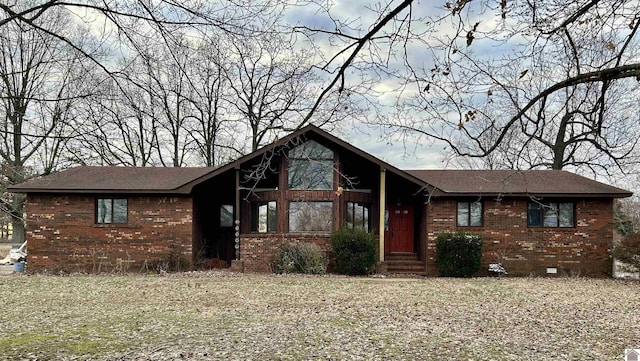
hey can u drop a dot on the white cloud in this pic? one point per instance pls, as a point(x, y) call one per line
point(396, 152)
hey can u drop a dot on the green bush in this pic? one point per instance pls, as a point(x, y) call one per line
point(458, 254)
point(355, 251)
point(628, 251)
point(305, 258)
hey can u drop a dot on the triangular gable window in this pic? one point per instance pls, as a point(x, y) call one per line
point(310, 167)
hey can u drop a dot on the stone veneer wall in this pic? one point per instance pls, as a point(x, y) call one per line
point(582, 250)
point(62, 234)
point(257, 250)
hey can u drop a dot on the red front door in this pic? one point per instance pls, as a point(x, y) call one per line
point(398, 232)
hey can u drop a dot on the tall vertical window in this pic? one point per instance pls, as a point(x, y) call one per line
point(550, 215)
point(358, 215)
point(226, 215)
point(310, 167)
point(111, 210)
point(310, 216)
point(469, 214)
point(264, 217)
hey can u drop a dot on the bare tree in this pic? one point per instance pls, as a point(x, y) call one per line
point(274, 86)
point(175, 108)
point(42, 83)
point(557, 77)
point(213, 129)
point(122, 128)
point(267, 80)
point(170, 93)
point(578, 128)
point(131, 23)
point(444, 77)
point(584, 126)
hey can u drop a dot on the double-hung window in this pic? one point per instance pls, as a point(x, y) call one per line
point(469, 214)
point(358, 215)
point(550, 214)
point(264, 217)
point(111, 210)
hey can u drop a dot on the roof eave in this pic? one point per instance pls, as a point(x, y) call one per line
point(541, 195)
point(309, 128)
point(383, 165)
point(98, 191)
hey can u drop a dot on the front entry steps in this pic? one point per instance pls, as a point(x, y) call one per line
point(404, 263)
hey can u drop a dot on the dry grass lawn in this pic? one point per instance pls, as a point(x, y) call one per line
point(219, 316)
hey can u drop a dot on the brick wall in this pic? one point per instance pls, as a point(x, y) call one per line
point(257, 250)
point(62, 234)
point(582, 250)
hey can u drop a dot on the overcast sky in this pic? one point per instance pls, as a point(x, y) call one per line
point(361, 14)
point(427, 154)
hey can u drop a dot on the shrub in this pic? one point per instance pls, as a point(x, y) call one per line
point(355, 251)
point(628, 250)
point(458, 254)
point(172, 261)
point(305, 258)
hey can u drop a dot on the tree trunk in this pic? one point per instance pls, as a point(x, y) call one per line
point(17, 219)
point(560, 146)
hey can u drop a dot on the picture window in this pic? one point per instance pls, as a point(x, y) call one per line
point(559, 215)
point(111, 210)
point(310, 217)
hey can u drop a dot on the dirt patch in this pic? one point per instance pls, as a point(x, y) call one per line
point(222, 315)
point(4, 250)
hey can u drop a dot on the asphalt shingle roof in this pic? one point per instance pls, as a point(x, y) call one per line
point(109, 179)
point(446, 182)
point(510, 182)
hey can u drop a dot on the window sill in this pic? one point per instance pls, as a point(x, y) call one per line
point(308, 234)
point(546, 228)
point(113, 225)
point(288, 235)
point(259, 235)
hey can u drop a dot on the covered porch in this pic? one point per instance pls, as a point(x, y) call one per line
point(402, 243)
point(215, 212)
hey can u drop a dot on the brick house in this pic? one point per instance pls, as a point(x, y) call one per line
point(302, 187)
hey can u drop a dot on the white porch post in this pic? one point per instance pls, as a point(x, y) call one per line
point(383, 206)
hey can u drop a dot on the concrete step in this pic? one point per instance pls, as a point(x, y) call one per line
point(407, 272)
point(404, 263)
point(405, 267)
point(405, 256)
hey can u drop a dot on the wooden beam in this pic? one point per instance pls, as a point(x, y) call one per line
point(236, 224)
point(383, 206)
